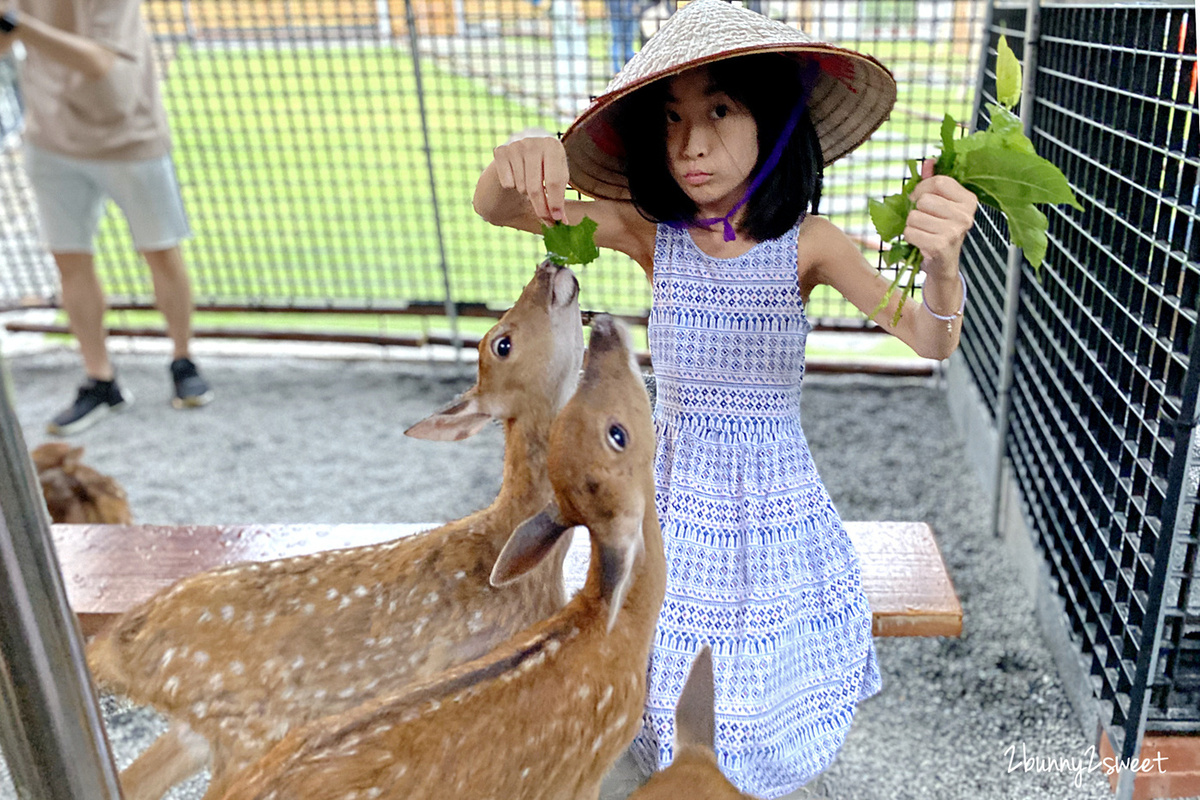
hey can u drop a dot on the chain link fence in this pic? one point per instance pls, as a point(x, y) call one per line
point(328, 149)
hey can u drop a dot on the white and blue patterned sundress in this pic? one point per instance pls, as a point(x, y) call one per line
point(758, 562)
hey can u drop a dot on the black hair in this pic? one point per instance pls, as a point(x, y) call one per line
point(769, 86)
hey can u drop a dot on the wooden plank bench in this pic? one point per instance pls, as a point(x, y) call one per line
point(108, 569)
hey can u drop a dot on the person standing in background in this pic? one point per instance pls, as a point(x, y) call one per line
point(623, 18)
point(96, 128)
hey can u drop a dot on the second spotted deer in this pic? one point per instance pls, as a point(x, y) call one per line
point(544, 715)
point(238, 656)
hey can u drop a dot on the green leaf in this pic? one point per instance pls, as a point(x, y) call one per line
point(571, 244)
point(889, 216)
point(1008, 129)
point(1012, 177)
point(1008, 75)
point(896, 253)
point(1027, 230)
point(945, 162)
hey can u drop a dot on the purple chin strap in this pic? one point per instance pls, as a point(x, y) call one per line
point(808, 77)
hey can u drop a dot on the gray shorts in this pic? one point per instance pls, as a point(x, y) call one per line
point(71, 193)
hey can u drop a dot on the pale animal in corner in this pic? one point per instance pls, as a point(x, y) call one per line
point(544, 715)
point(237, 656)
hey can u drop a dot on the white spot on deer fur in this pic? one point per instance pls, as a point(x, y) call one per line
point(200, 657)
point(227, 613)
point(431, 598)
point(268, 618)
point(313, 580)
point(553, 646)
point(237, 667)
point(525, 773)
point(374, 792)
point(172, 685)
point(319, 694)
point(360, 591)
point(345, 602)
point(166, 658)
point(460, 574)
point(346, 693)
point(205, 616)
point(399, 770)
point(386, 641)
point(584, 691)
point(309, 608)
point(604, 698)
point(200, 710)
point(392, 607)
point(596, 744)
point(298, 662)
point(344, 668)
point(216, 681)
point(331, 594)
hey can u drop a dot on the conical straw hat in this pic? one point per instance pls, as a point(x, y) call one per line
point(852, 97)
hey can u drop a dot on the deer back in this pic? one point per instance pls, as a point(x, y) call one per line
point(242, 654)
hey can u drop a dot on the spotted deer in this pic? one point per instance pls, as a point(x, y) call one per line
point(544, 715)
point(694, 772)
point(237, 656)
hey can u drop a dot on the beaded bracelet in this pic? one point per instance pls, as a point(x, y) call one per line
point(949, 320)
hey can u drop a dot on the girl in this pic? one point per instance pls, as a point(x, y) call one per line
point(704, 157)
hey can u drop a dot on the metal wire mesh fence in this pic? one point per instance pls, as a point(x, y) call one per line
point(328, 149)
point(1102, 406)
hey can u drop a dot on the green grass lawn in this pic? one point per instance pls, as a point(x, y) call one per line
point(306, 178)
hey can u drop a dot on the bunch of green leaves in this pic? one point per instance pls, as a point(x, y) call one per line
point(571, 244)
point(999, 165)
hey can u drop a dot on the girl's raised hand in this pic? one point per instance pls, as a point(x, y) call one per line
point(536, 167)
point(944, 211)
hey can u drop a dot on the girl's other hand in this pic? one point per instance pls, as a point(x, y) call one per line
point(536, 167)
point(937, 226)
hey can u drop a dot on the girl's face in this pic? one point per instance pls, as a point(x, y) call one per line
point(712, 142)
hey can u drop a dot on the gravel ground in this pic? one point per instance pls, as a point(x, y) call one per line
point(304, 440)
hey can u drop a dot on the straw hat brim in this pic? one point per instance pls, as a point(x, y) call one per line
point(854, 93)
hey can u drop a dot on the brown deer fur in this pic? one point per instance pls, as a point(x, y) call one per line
point(240, 655)
point(545, 714)
point(76, 493)
point(693, 774)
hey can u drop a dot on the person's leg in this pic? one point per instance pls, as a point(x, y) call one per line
point(172, 295)
point(148, 193)
point(83, 301)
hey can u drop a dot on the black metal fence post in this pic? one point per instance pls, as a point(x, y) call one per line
point(1015, 268)
point(1173, 520)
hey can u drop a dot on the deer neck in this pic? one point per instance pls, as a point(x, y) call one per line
point(525, 488)
point(639, 615)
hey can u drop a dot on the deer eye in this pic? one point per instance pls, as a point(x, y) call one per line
point(617, 438)
point(502, 346)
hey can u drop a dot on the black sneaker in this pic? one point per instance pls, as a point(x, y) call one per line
point(191, 390)
point(94, 401)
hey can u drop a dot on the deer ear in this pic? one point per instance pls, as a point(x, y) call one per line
point(617, 559)
point(531, 542)
point(461, 419)
point(694, 717)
